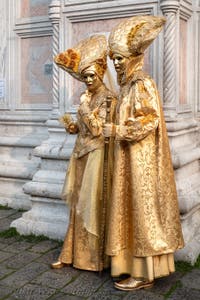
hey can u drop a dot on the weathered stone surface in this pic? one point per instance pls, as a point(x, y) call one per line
point(142, 295)
point(4, 271)
point(192, 279)
point(109, 289)
point(20, 260)
point(5, 255)
point(53, 280)
point(5, 290)
point(18, 246)
point(164, 284)
point(44, 246)
point(4, 224)
point(33, 292)
point(24, 275)
point(50, 257)
point(85, 285)
point(7, 241)
point(104, 295)
point(61, 296)
point(6, 212)
point(185, 294)
point(15, 216)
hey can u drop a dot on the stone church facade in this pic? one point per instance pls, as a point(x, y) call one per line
point(34, 147)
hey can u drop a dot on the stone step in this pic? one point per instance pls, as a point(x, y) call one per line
point(47, 217)
point(43, 189)
point(12, 195)
point(49, 176)
point(20, 169)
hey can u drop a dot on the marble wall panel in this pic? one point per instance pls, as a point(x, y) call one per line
point(36, 70)
point(32, 8)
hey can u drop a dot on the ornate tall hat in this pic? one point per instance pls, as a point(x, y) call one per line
point(134, 35)
point(91, 51)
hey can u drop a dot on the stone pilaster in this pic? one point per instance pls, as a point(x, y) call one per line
point(170, 10)
point(49, 214)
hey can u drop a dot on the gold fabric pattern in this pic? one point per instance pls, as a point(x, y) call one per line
point(142, 218)
point(83, 185)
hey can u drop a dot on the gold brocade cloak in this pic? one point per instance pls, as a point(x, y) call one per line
point(144, 216)
point(83, 186)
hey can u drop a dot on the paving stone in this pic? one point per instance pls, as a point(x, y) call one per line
point(108, 291)
point(5, 290)
point(61, 296)
point(16, 215)
point(7, 241)
point(33, 292)
point(5, 255)
point(4, 271)
point(50, 257)
point(4, 224)
point(24, 275)
point(164, 284)
point(192, 279)
point(6, 213)
point(143, 295)
point(183, 293)
point(104, 295)
point(20, 260)
point(85, 285)
point(44, 246)
point(53, 280)
point(18, 246)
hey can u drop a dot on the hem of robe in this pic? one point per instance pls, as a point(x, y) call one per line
point(148, 268)
point(85, 267)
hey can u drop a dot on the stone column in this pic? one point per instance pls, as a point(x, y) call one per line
point(54, 15)
point(170, 82)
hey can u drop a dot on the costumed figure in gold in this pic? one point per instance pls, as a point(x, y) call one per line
point(144, 226)
point(83, 186)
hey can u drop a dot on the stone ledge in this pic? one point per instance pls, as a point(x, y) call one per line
point(43, 189)
point(47, 217)
point(49, 176)
point(53, 151)
point(22, 170)
point(182, 125)
point(13, 201)
point(21, 141)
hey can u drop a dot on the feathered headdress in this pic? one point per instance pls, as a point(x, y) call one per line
point(132, 36)
point(90, 51)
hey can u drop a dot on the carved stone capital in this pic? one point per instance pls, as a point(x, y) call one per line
point(54, 11)
point(169, 6)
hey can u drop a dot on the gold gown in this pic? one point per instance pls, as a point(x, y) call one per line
point(144, 227)
point(83, 187)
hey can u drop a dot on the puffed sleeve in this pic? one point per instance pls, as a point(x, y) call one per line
point(144, 116)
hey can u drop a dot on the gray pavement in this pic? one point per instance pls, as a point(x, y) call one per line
point(25, 274)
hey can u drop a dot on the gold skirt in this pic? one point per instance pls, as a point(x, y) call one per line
point(149, 268)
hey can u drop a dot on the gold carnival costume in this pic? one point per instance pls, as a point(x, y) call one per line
point(84, 180)
point(144, 227)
